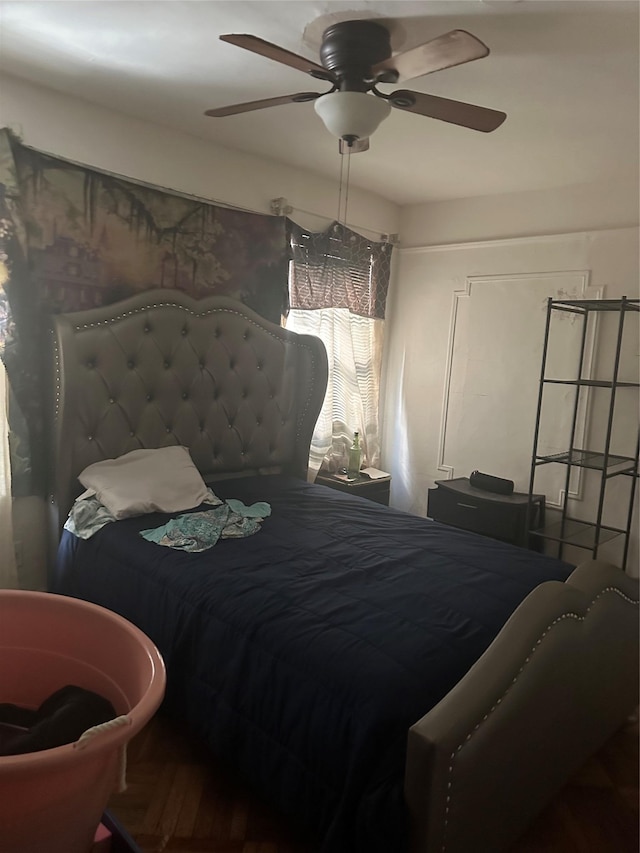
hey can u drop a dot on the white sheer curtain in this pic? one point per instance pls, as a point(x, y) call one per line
point(354, 351)
point(8, 570)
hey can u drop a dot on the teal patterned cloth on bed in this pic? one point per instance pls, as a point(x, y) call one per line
point(188, 532)
point(197, 531)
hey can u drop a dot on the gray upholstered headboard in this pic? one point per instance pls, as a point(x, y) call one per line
point(161, 368)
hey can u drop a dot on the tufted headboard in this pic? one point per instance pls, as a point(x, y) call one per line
point(161, 368)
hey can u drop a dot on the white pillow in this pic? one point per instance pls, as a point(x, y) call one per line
point(163, 480)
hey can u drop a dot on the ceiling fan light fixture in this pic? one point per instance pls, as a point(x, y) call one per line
point(351, 115)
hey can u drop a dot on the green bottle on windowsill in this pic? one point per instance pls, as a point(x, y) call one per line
point(355, 455)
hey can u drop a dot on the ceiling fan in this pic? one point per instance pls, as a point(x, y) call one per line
point(356, 57)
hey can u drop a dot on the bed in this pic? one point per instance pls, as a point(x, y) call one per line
point(389, 682)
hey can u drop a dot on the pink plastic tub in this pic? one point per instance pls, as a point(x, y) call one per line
point(52, 801)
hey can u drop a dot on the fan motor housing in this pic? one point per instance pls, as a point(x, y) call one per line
point(349, 50)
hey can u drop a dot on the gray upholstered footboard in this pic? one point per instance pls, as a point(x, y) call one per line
point(555, 684)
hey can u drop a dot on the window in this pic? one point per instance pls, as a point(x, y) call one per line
point(338, 283)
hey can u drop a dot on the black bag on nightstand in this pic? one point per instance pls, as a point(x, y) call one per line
point(489, 483)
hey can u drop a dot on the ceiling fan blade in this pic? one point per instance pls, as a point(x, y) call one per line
point(453, 48)
point(249, 106)
point(455, 112)
point(278, 54)
point(358, 146)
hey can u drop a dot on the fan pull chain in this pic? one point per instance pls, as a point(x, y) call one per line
point(340, 189)
point(344, 184)
point(346, 193)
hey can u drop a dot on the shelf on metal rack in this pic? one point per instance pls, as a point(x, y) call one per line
point(582, 534)
point(580, 305)
point(592, 383)
point(591, 459)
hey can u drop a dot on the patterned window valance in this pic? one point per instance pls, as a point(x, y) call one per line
point(338, 268)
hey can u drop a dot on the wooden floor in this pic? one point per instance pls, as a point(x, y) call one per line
point(178, 800)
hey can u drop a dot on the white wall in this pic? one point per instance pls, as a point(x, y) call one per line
point(451, 305)
point(584, 207)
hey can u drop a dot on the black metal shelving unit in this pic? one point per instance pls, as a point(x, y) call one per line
point(589, 535)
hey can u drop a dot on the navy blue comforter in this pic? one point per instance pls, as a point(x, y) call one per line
point(303, 653)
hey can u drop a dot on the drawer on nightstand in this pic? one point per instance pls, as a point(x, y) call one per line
point(475, 514)
point(458, 503)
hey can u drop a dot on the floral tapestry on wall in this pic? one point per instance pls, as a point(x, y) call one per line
point(75, 238)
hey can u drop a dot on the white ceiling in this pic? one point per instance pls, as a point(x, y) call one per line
point(566, 74)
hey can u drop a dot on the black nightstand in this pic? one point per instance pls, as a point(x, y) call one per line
point(374, 490)
point(503, 517)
